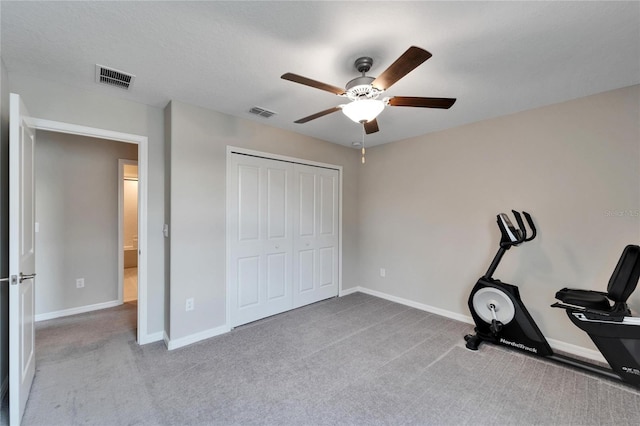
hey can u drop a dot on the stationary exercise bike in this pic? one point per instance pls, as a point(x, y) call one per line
point(502, 318)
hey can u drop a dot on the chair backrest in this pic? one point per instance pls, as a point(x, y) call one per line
point(625, 277)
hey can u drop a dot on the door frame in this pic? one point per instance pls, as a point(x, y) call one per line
point(142, 142)
point(270, 156)
point(121, 163)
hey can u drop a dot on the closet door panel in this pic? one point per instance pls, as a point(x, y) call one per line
point(248, 189)
point(306, 205)
point(306, 271)
point(248, 281)
point(278, 238)
point(277, 220)
point(277, 281)
point(316, 234)
point(261, 239)
point(328, 206)
point(327, 266)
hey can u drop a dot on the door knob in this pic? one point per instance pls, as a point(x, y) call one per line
point(24, 277)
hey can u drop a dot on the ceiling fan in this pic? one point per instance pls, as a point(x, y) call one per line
point(363, 91)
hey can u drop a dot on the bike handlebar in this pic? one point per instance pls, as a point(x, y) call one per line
point(519, 235)
point(522, 229)
point(531, 226)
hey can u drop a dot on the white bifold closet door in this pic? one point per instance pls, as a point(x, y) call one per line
point(284, 250)
point(315, 231)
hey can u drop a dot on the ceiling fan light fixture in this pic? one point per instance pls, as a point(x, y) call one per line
point(363, 110)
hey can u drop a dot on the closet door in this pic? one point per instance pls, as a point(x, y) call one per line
point(316, 234)
point(261, 238)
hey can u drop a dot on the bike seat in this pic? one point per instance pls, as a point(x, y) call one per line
point(622, 283)
point(584, 298)
point(625, 277)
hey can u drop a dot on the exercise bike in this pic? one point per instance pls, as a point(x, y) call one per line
point(502, 318)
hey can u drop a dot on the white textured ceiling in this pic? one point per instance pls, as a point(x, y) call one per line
point(496, 58)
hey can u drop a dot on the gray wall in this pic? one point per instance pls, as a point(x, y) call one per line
point(198, 205)
point(4, 222)
point(428, 206)
point(77, 181)
point(423, 208)
point(53, 101)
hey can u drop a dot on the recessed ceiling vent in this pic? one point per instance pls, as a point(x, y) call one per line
point(265, 113)
point(113, 77)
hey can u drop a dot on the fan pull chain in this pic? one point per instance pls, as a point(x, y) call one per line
point(363, 150)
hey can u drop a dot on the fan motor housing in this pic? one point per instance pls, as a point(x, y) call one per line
point(363, 64)
point(360, 87)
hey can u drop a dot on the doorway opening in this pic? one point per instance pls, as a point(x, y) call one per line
point(141, 143)
point(128, 230)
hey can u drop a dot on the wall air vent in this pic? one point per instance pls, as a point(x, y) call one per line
point(265, 113)
point(113, 77)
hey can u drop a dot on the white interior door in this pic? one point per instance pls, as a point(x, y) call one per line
point(316, 234)
point(260, 238)
point(21, 258)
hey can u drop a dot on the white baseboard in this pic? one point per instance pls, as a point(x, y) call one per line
point(576, 350)
point(4, 388)
point(151, 338)
point(569, 348)
point(427, 308)
point(193, 338)
point(78, 310)
point(349, 291)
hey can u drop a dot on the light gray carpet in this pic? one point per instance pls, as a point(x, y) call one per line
point(353, 360)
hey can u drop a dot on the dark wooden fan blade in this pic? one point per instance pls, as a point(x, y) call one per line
point(406, 63)
point(317, 115)
point(412, 101)
point(371, 126)
point(312, 83)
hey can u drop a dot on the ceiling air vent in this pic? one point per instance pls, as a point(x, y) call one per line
point(265, 113)
point(113, 77)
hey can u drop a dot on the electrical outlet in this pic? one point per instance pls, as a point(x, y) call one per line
point(189, 305)
point(383, 272)
point(79, 282)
